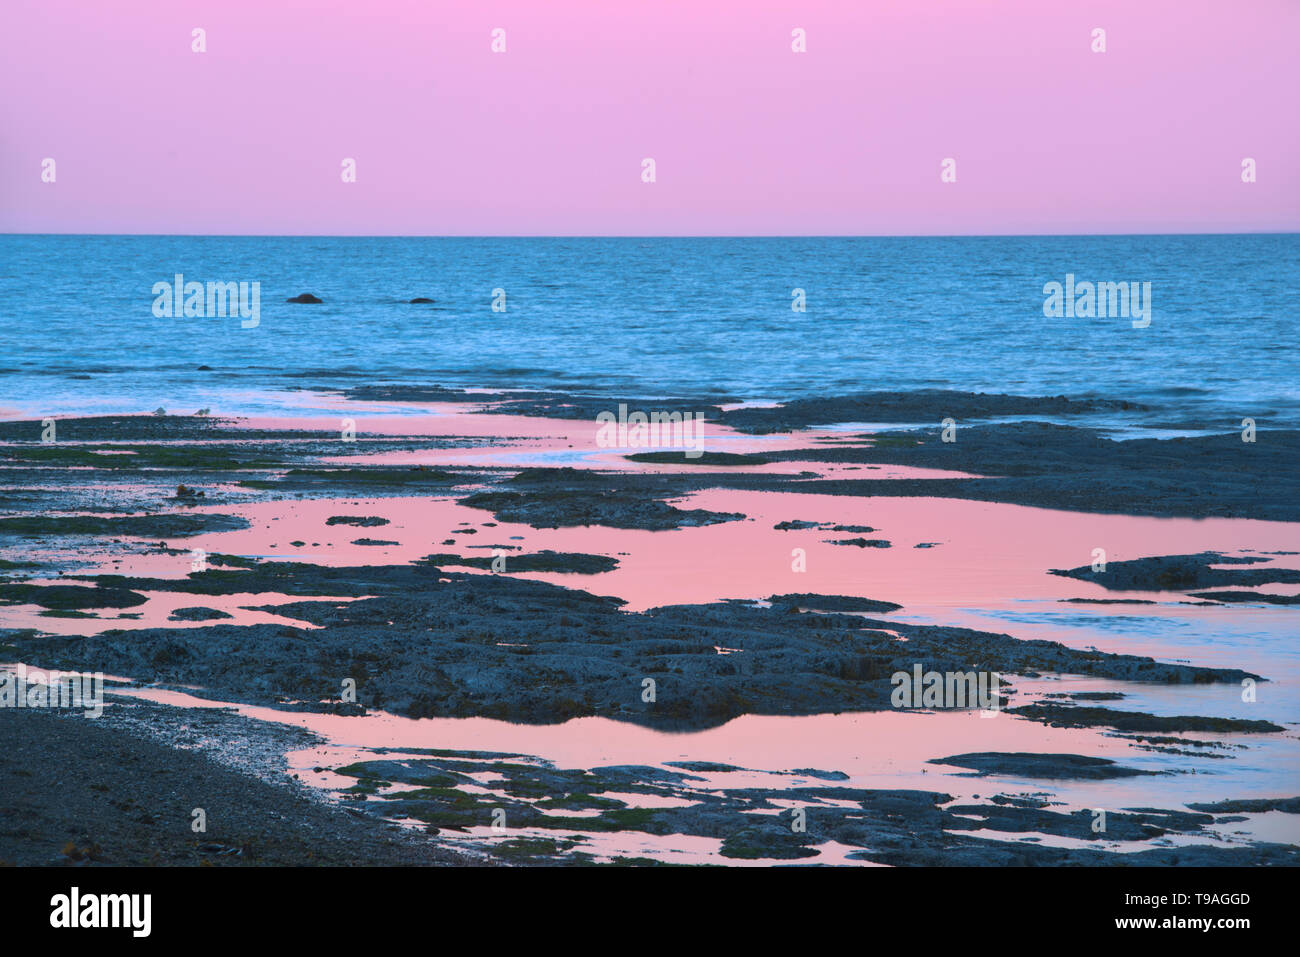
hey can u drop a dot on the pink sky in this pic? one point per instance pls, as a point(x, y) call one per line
point(748, 137)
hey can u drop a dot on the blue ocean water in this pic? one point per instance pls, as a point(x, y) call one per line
point(653, 317)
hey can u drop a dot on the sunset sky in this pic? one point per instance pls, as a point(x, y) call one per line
point(749, 138)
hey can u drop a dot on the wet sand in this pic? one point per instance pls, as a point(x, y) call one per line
point(78, 792)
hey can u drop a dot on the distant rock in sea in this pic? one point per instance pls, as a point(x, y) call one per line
point(305, 297)
point(420, 300)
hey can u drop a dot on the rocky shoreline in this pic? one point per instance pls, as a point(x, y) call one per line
point(446, 636)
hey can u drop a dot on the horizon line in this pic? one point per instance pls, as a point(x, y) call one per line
point(1084, 235)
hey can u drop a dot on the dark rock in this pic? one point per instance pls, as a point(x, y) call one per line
point(1246, 597)
point(833, 603)
point(1031, 765)
point(1251, 806)
point(198, 613)
point(70, 597)
point(913, 406)
point(366, 521)
point(1183, 572)
point(1070, 716)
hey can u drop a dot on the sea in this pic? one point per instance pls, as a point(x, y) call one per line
point(748, 319)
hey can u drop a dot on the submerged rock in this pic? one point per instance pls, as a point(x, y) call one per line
point(1183, 572)
point(198, 613)
point(361, 521)
point(913, 406)
point(1073, 716)
point(542, 561)
point(860, 542)
point(141, 526)
point(1246, 597)
point(834, 603)
point(1251, 806)
point(69, 597)
point(1032, 765)
point(687, 457)
point(565, 497)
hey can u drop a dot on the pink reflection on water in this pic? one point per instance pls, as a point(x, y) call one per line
point(537, 440)
point(986, 552)
point(887, 749)
point(876, 749)
point(156, 612)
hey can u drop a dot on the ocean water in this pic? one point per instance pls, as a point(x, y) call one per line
point(649, 317)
